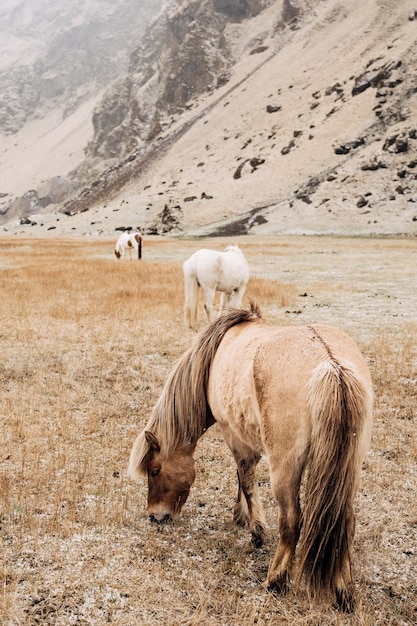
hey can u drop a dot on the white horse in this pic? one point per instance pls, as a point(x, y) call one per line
point(127, 243)
point(226, 272)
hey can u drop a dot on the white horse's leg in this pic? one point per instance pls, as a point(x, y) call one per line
point(234, 300)
point(229, 301)
point(192, 293)
point(208, 302)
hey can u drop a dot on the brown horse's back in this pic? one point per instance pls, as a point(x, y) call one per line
point(259, 378)
point(283, 368)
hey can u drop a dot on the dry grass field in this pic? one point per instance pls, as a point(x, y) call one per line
point(86, 344)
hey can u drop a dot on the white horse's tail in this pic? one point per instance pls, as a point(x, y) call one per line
point(191, 287)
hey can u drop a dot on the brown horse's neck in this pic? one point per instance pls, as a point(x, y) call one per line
point(182, 414)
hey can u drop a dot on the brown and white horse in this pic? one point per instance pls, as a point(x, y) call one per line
point(127, 243)
point(303, 396)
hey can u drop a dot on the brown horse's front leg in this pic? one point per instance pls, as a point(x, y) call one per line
point(240, 511)
point(248, 508)
point(253, 511)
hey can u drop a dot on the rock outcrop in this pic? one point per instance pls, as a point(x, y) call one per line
point(60, 54)
point(184, 54)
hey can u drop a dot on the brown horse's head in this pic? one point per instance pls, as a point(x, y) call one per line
point(169, 480)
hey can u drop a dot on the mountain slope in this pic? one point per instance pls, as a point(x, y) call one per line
point(58, 54)
point(314, 131)
point(56, 58)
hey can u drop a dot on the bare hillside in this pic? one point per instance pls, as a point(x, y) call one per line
point(312, 131)
point(56, 58)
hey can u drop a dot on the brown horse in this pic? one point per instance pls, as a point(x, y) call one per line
point(300, 394)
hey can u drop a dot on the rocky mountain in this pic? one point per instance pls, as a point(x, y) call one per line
point(56, 58)
point(56, 54)
point(184, 54)
point(254, 116)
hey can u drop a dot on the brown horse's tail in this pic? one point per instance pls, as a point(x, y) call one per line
point(340, 407)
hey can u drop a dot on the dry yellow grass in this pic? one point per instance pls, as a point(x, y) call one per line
point(86, 344)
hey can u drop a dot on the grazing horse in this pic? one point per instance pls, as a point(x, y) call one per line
point(127, 243)
point(301, 395)
point(226, 272)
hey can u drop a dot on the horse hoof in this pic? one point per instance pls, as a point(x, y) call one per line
point(256, 542)
point(163, 520)
point(258, 536)
point(344, 601)
point(280, 587)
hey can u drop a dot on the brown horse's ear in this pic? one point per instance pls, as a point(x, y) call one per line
point(152, 440)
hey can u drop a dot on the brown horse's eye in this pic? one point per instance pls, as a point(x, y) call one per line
point(156, 471)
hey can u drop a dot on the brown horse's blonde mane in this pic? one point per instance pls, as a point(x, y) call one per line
point(182, 415)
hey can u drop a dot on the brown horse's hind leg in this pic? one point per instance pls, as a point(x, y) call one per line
point(287, 496)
